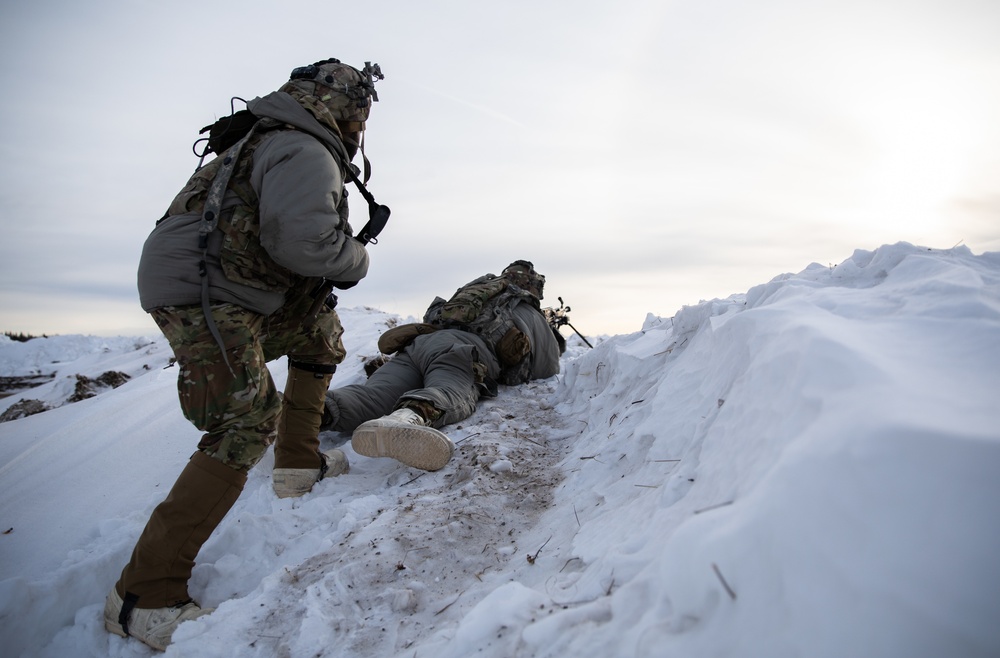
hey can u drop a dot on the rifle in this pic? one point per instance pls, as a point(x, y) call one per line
point(558, 317)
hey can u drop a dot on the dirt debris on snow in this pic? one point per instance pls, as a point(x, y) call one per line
point(409, 572)
point(87, 387)
point(23, 409)
point(9, 385)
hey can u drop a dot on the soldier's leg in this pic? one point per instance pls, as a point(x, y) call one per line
point(237, 411)
point(314, 348)
point(237, 405)
point(449, 364)
point(455, 367)
point(349, 406)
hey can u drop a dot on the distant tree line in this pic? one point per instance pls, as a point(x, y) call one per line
point(22, 337)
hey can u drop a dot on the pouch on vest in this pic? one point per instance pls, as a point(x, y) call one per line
point(513, 347)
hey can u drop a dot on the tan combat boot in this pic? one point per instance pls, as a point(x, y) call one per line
point(152, 626)
point(404, 436)
point(151, 599)
point(295, 482)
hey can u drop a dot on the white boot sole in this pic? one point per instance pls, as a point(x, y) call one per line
point(420, 447)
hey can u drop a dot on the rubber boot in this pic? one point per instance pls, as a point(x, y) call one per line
point(161, 563)
point(297, 443)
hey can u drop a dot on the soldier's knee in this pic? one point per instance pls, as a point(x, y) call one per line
point(239, 451)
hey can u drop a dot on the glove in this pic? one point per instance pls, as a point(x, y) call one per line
point(344, 285)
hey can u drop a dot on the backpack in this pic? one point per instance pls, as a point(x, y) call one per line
point(485, 307)
point(225, 132)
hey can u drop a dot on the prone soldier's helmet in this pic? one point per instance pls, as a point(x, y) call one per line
point(523, 275)
point(341, 91)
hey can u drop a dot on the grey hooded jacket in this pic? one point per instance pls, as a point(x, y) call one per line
point(297, 177)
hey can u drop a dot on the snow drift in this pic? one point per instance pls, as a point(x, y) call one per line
point(809, 468)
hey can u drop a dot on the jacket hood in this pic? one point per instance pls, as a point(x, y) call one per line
point(281, 106)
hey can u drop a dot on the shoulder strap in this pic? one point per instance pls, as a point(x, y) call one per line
point(210, 221)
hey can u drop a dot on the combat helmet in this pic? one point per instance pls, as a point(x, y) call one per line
point(335, 92)
point(523, 275)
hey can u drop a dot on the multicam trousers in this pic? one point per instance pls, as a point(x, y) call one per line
point(238, 410)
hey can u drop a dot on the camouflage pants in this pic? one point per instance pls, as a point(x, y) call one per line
point(238, 410)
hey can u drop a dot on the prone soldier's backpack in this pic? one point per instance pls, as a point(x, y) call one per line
point(485, 307)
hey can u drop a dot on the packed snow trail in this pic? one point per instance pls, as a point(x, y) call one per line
point(385, 576)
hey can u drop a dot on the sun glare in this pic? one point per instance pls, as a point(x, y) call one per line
point(924, 133)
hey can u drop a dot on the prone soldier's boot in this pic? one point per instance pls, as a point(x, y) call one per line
point(151, 599)
point(404, 436)
point(298, 463)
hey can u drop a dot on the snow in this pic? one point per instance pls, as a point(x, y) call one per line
point(811, 468)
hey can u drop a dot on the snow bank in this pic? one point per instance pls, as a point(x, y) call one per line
point(809, 468)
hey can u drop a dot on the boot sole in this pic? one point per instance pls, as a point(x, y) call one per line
point(419, 447)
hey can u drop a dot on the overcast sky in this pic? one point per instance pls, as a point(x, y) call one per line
point(643, 154)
